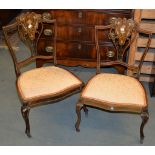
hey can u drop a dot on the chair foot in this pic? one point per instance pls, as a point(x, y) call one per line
point(25, 113)
point(145, 117)
point(28, 134)
point(77, 128)
point(78, 112)
point(141, 140)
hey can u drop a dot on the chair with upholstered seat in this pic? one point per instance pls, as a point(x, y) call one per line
point(117, 92)
point(37, 86)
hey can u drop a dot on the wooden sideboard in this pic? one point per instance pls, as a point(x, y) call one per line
point(75, 35)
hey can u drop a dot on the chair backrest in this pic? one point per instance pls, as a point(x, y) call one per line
point(122, 33)
point(27, 30)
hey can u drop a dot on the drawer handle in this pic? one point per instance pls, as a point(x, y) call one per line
point(48, 32)
point(80, 14)
point(46, 15)
point(79, 29)
point(79, 46)
point(49, 49)
point(110, 54)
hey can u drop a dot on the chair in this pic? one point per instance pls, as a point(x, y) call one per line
point(43, 85)
point(117, 92)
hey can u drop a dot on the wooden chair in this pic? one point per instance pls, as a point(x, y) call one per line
point(39, 85)
point(116, 92)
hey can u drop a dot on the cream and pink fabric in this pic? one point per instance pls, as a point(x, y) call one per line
point(46, 81)
point(116, 89)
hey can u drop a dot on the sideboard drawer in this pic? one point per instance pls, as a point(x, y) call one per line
point(48, 32)
point(97, 18)
point(45, 47)
point(80, 33)
point(76, 49)
point(100, 17)
point(69, 17)
point(108, 52)
point(75, 33)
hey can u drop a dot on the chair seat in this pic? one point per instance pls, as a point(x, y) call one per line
point(46, 82)
point(115, 92)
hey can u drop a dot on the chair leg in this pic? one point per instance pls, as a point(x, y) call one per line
point(145, 117)
point(25, 113)
point(78, 112)
point(85, 110)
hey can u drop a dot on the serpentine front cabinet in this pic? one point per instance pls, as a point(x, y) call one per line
point(75, 35)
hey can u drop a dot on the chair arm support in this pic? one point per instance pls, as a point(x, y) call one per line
point(113, 63)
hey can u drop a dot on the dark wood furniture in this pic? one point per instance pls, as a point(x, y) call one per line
point(75, 35)
point(152, 88)
point(39, 85)
point(115, 92)
point(6, 15)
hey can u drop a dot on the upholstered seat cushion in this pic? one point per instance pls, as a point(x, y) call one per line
point(115, 92)
point(46, 81)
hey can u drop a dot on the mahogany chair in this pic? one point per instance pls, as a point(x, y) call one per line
point(43, 85)
point(117, 92)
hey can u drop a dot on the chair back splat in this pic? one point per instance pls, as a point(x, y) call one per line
point(28, 29)
point(122, 33)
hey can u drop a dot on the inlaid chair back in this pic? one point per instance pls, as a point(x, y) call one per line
point(37, 86)
point(22, 39)
point(116, 92)
point(122, 33)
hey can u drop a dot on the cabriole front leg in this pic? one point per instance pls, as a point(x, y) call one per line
point(145, 117)
point(25, 113)
point(78, 112)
